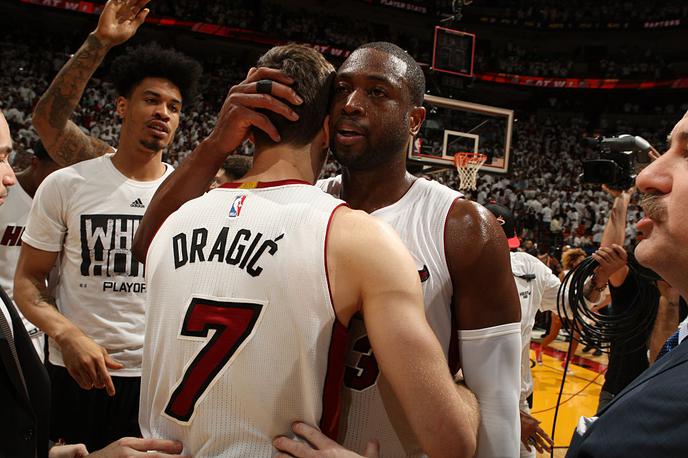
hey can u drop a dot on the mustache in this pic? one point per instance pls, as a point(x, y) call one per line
point(653, 206)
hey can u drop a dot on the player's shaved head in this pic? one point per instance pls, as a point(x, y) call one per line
point(413, 74)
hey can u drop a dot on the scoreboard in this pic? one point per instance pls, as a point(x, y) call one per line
point(453, 52)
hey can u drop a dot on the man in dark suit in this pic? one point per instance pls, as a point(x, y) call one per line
point(645, 419)
point(24, 383)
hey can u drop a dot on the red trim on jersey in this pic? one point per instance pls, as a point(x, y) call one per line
point(261, 184)
point(334, 380)
point(327, 272)
point(454, 356)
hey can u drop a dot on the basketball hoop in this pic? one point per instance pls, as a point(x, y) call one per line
point(467, 164)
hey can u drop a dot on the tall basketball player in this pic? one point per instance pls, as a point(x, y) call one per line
point(460, 251)
point(251, 288)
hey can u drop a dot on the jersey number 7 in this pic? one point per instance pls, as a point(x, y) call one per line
point(233, 323)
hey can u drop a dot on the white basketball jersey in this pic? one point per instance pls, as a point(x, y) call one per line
point(13, 217)
point(241, 333)
point(370, 410)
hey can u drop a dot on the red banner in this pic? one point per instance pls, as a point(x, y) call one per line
point(83, 7)
point(580, 83)
point(259, 37)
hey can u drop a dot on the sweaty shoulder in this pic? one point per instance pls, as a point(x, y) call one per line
point(477, 252)
point(470, 229)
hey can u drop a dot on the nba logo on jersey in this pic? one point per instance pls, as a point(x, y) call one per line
point(235, 209)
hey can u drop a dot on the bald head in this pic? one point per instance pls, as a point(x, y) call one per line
point(406, 68)
point(6, 174)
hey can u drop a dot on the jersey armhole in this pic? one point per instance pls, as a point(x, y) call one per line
point(454, 354)
point(327, 272)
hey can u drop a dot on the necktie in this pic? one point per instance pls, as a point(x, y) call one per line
point(670, 344)
point(5, 329)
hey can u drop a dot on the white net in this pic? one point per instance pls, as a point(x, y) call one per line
point(468, 164)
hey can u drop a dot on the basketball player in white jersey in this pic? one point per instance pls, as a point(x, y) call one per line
point(460, 250)
point(12, 222)
point(252, 285)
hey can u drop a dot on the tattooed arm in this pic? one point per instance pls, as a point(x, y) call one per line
point(64, 141)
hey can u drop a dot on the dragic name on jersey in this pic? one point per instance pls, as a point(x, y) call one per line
point(243, 248)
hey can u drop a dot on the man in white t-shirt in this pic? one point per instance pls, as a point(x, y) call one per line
point(12, 222)
point(86, 215)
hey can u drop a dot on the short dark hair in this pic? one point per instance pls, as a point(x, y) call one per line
point(153, 61)
point(236, 166)
point(313, 78)
point(415, 79)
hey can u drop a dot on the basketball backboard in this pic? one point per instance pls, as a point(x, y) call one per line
point(453, 126)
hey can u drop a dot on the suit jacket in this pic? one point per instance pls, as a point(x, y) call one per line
point(24, 420)
point(649, 418)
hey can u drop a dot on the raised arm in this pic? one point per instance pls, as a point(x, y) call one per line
point(615, 231)
point(488, 313)
point(372, 267)
point(65, 141)
point(234, 123)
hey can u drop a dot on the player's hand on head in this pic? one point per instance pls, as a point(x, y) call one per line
point(145, 448)
point(264, 89)
point(317, 445)
point(120, 20)
point(87, 362)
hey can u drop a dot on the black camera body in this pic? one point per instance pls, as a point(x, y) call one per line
point(617, 161)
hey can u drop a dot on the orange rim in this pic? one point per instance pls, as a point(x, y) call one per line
point(463, 159)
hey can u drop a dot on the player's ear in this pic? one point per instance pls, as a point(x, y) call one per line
point(121, 107)
point(416, 119)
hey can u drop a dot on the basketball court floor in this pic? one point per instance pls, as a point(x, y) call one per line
point(580, 395)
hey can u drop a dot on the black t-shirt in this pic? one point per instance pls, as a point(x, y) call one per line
point(628, 356)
